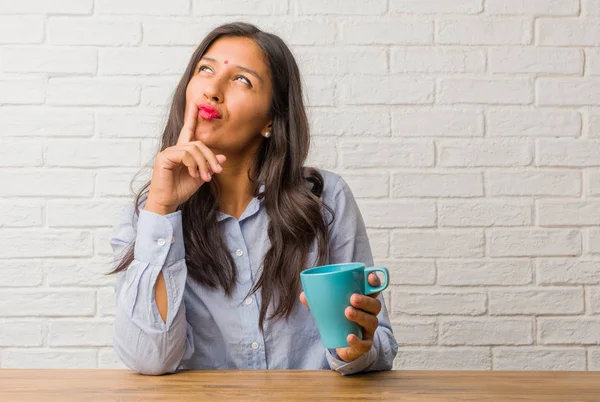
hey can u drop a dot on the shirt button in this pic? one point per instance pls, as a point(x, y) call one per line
point(248, 300)
point(239, 252)
point(255, 345)
point(161, 242)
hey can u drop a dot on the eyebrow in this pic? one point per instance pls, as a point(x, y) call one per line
point(246, 69)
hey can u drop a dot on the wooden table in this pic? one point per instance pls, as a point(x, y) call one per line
point(313, 386)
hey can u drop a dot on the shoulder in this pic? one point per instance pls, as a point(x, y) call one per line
point(335, 188)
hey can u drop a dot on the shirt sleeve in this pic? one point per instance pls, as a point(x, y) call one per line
point(142, 340)
point(349, 243)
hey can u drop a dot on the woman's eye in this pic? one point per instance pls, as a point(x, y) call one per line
point(245, 79)
point(202, 67)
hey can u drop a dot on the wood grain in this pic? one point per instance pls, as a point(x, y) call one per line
point(314, 386)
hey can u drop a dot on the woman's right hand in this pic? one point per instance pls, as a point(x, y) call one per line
point(180, 170)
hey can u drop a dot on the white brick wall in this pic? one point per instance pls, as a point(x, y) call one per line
point(467, 129)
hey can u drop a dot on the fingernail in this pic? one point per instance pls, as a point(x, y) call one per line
point(352, 313)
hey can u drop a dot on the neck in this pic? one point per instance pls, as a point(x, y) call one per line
point(235, 188)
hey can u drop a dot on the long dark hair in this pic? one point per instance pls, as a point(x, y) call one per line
point(292, 195)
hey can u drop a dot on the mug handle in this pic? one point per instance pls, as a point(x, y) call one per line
point(370, 289)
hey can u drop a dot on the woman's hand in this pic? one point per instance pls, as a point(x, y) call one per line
point(363, 311)
point(180, 170)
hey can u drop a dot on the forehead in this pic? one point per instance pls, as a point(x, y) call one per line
point(238, 51)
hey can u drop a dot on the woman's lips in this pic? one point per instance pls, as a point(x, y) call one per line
point(208, 112)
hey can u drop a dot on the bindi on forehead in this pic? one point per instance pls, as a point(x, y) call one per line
point(226, 61)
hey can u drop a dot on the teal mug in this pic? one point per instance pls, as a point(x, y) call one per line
point(328, 289)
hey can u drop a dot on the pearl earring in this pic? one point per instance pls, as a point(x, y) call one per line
point(267, 134)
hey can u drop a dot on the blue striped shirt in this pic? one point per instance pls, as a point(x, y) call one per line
point(205, 329)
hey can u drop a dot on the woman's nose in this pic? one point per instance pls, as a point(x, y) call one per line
point(212, 91)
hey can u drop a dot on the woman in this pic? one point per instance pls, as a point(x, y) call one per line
point(212, 249)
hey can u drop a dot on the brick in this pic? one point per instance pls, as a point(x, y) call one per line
point(568, 213)
point(93, 92)
point(594, 121)
point(16, 153)
point(21, 214)
point(372, 90)
point(79, 272)
point(368, 185)
point(437, 358)
point(73, 7)
point(437, 6)
point(56, 60)
point(487, 91)
point(342, 7)
point(551, 301)
point(46, 183)
point(502, 272)
point(436, 123)
point(534, 183)
point(135, 123)
point(590, 7)
point(80, 333)
point(323, 154)
point(533, 123)
point(593, 304)
point(410, 272)
point(481, 153)
point(21, 29)
point(567, 32)
point(151, 147)
point(396, 32)
point(486, 331)
point(540, 359)
point(534, 242)
point(380, 242)
point(144, 61)
point(438, 243)
point(347, 60)
point(21, 273)
point(92, 153)
point(239, 7)
point(568, 331)
point(592, 61)
point(107, 359)
point(93, 31)
point(594, 241)
point(47, 303)
point(348, 122)
point(484, 31)
point(49, 358)
point(299, 31)
point(21, 334)
point(414, 332)
point(567, 152)
point(158, 94)
point(106, 301)
point(17, 243)
point(437, 185)
point(318, 91)
point(102, 238)
point(567, 91)
point(437, 302)
point(484, 213)
point(143, 7)
point(384, 214)
point(405, 153)
point(22, 91)
point(535, 60)
point(561, 271)
point(18, 122)
point(82, 213)
point(532, 7)
point(178, 32)
point(117, 183)
point(437, 60)
point(593, 183)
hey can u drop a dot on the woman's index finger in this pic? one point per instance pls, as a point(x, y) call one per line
point(189, 124)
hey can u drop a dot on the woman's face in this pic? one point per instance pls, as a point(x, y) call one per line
point(233, 78)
